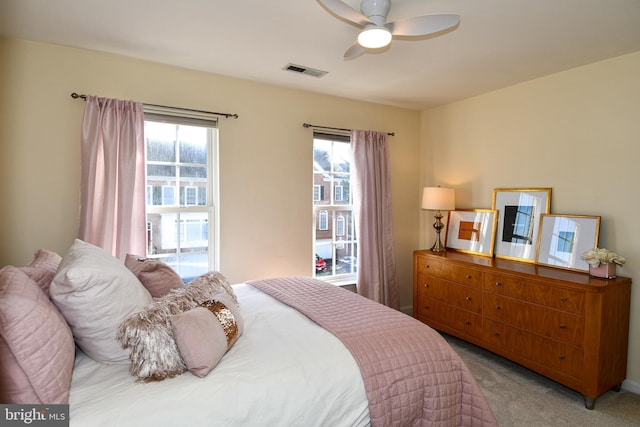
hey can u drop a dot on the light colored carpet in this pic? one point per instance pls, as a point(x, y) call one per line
point(520, 397)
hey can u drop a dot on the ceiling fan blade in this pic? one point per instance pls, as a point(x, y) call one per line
point(344, 11)
point(354, 51)
point(423, 25)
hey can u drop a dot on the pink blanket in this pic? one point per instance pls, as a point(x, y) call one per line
point(411, 375)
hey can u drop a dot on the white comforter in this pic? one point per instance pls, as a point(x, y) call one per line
point(284, 371)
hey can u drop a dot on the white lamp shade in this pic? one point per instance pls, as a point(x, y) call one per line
point(438, 199)
point(373, 37)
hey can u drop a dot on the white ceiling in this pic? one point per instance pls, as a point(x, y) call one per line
point(497, 44)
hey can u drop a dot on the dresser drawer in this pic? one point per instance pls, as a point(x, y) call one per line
point(448, 271)
point(463, 275)
point(429, 266)
point(552, 354)
point(452, 293)
point(437, 313)
point(549, 323)
point(552, 296)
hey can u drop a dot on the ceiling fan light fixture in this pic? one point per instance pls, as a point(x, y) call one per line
point(373, 37)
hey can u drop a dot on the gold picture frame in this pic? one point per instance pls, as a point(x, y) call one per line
point(519, 211)
point(472, 231)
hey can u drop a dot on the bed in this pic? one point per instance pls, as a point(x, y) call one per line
point(310, 354)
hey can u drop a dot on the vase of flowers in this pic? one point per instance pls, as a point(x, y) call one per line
point(602, 262)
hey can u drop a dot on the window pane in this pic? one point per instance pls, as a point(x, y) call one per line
point(193, 172)
point(168, 196)
point(322, 155)
point(180, 240)
point(193, 144)
point(191, 196)
point(344, 218)
point(340, 227)
point(341, 157)
point(321, 189)
point(342, 189)
point(161, 171)
point(161, 141)
point(323, 221)
point(347, 260)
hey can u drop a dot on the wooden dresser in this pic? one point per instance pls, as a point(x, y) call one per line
point(565, 325)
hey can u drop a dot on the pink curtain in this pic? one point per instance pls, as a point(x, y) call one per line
point(377, 278)
point(112, 187)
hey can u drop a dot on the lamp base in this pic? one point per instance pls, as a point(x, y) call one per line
point(438, 225)
point(438, 246)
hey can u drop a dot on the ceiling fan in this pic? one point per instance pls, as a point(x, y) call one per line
point(377, 32)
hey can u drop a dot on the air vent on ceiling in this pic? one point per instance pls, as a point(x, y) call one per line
point(304, 70)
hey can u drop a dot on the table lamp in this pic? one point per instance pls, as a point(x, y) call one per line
point(438, 199)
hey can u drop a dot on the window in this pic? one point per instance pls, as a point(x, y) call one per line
point(168, 196)
point(323, 220)
point(340, 226)
point(334, 229)
point(181, 172)
point(338, 192)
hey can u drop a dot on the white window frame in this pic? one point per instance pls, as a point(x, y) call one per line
point(325, 209)
point(211, 209)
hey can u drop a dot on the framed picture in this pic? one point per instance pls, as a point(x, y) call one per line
point(563, 238)
point(472, 231)
point(519, 211)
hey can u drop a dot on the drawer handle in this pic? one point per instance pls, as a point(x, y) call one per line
point(563, 326)
point(467, 298)
point(563, 299)
point(426, 285)
point(468, 276)
point(426, 266)
point(561, 357)
point(497, 334)
point(498, 284)
point(426, 307)
point(467, 323)
point(497, 307)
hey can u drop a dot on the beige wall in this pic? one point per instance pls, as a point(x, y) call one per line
point(264, 232)
point(577, 132)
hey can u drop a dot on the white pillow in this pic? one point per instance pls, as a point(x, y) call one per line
point(95, 292)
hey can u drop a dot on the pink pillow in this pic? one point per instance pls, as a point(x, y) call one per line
point(147, 334)
point(205, 333)
point(155, 275)
point(36, 346)
point(43, 267)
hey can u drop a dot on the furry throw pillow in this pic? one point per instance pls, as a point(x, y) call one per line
point(148, 337)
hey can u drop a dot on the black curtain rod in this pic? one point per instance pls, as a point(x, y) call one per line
point(308, 125)
point(227, 115)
